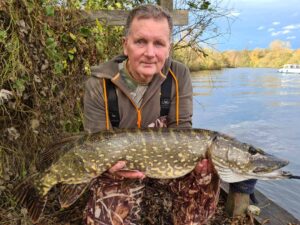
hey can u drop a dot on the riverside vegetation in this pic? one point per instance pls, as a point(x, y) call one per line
point(275, 56)
point(45, 55)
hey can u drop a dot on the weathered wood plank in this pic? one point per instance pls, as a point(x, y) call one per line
point(167, 4)
point(118, 17)
point(270, 211)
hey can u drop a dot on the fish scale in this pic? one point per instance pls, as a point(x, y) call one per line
point(144, 152)
point(159, 153)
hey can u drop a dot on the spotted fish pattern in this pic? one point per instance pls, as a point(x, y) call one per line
point(160, 153)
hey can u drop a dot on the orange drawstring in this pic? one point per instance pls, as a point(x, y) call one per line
point(177, 96)
point(106, 104)
point(139, 117)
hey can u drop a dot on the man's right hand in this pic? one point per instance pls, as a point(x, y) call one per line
point(118, 170)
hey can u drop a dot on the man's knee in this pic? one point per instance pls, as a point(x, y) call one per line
point(238, 198)
point(114, 202)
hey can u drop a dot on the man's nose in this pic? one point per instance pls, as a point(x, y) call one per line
point(150, 51)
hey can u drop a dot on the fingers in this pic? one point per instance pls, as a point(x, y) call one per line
point(130, 174)
point(203, 167)
point(118, 166)
point(203, 172)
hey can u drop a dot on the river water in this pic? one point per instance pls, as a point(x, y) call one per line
point(260, 107)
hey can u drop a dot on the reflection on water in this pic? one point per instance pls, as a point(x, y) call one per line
point(280, 104)
point(258, 106)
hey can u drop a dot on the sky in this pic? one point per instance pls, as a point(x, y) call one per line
point(259, 22)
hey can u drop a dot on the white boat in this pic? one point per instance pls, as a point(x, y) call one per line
point(290, 68)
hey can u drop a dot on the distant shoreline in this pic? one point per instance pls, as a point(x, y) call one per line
point(274, 57)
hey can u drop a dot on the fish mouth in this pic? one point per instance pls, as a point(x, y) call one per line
point(267, 167)
point(264, 167)
point(276, 174)
point(267, 164)
point(270, 175)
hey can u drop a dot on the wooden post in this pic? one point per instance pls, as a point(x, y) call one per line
point(237, 203)
point(118, 17)
point(167, 4)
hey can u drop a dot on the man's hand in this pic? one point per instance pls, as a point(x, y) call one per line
point(118, 169)
point(204, 167)
point(203, 171)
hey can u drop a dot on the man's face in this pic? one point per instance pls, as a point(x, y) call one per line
point(147, 47)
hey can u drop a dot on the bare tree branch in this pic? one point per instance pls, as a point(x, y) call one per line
point(204, 28)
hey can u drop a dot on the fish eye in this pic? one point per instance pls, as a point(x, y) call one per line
point(252, 150)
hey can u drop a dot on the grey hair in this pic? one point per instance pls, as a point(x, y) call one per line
point(148, 11)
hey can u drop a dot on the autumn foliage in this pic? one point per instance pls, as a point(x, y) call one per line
point(275, 56)
point(46, 52)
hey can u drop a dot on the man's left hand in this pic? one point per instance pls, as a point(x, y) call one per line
point(203, 171)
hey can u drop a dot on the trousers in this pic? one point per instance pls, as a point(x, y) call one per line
point(191, 199)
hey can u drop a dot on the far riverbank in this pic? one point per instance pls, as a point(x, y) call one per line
point(273, 57)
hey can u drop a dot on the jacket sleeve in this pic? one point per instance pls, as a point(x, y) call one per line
point(94, 107)
point(185, 98)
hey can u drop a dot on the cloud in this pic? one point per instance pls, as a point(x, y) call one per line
point(291, 37)
point(280, 32)
point(292, 27)
point(275, 23)
point(234, 13)
point(276, 33)
point(286, 31)
point(261, 28)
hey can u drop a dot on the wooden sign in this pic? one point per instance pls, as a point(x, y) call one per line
point(118, 17)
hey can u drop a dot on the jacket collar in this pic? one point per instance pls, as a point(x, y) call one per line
point(110, 70)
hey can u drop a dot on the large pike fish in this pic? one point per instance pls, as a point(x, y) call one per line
point(159, 153)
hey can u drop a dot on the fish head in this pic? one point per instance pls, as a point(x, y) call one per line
point(236, 161)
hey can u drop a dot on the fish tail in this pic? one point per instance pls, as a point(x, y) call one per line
point(27, 196)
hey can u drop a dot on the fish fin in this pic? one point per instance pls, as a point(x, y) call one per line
point(27, 196)
point(52, 153)
point(35, 208)
point(230, 176)
point(69, 193)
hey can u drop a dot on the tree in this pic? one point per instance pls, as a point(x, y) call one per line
point(279, 45)
point(295, 57)
point(203, 26)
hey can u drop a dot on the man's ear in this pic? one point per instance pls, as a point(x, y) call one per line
point(124, 43)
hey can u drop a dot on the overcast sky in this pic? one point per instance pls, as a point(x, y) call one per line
point(259, 22)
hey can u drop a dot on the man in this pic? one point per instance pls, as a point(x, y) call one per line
point(138, 78)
